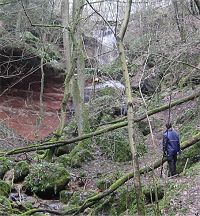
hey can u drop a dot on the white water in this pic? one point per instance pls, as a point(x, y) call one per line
point(107, 50)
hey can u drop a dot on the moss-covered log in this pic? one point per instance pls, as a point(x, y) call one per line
point(47, 145)
point(92, 200)
point(89, 202)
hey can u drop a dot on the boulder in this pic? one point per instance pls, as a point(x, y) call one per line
point(46, 180)
point(4, 188)
point(149, 83)
point(5, 165)
point(21, 170)
point(65, 196)
point(76, 158)
point(104, 184)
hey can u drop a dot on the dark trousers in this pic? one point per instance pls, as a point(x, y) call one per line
point(171, 159)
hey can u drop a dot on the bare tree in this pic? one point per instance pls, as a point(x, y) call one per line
point(179, 17)
point(132, 127)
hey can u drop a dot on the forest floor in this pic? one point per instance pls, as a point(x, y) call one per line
point(182, 193)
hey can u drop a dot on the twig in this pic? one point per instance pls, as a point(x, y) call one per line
point(185, 166)
point(101, 16)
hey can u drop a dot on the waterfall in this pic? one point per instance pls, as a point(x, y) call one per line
point(107, 49)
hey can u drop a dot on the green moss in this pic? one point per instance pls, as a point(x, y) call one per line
point(79, 197)
point(103, 184)
point(187, 117)
point(75, 159)
point(118, 204)
point(47, 179)
point(193, 156)
point(114, 69)
point(21, 170)
point(65, 160)
point(189, 129)
point(4, 188)
point(116, 147)
point(65, 196)
point(5, 165)
point(5, 206)
point(150, 193)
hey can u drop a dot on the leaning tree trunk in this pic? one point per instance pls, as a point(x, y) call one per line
point(132, 128)
point(197, 2)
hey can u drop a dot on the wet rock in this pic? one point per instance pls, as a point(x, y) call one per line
point(21, 170)
point(4, 188)
point(46, 180)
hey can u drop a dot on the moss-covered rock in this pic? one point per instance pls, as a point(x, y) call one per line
point(65, 196)
point(187, 116)
point(76, 157)
point(79, 197)
point(4, 188)
point(21, 170)
point(116, 147)
point(47, 179)
point(103, 184)
point(5, 206)
point(80, 157)
point(65, 160)
point(5, 165)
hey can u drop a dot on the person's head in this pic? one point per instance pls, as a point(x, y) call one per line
point(168, 126)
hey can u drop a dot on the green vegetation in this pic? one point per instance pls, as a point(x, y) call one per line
point(4, 188)
point(5, 165)
point(76, 157)
point(5, 206)
point(47, 179)
point(21, 170)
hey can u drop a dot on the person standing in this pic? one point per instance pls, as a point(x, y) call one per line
point(171, 147)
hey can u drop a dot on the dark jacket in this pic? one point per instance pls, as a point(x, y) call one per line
point(171, 142)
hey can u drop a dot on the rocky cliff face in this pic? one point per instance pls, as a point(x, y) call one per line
point(20, 106)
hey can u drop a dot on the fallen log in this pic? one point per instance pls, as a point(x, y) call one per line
point(92, 200)
point(122, 123)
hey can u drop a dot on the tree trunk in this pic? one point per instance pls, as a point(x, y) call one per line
point(197, 2)
point(179, 17)
point(68, 73)
point(132, 128)
point(150, 167)
point(80, 78)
